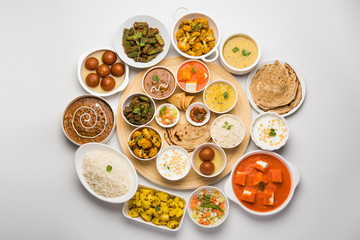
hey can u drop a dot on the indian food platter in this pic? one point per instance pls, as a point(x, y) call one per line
point(184, 134)
point(184, 123)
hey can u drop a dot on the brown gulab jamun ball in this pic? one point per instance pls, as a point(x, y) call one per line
point(207, 167)
point(91, 63)
point(108, 83)
point(92, 80)
point(103, 70)
point(117, 69)
point(206, 154)
point(109, 57)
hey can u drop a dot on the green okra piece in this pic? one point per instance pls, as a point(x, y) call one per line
point(151, 57)
point(152, 32)
point(131, 31)
point(144, 31)
point(146, 48)
point(127, 46)
point(125, 34)
point(140, 25)
point(133, 54)
point(159, 39)
point(142, 42)
point(155, 50)
point(152, 40)
point(133, 48)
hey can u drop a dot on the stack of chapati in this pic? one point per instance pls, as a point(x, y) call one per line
point(276, 88)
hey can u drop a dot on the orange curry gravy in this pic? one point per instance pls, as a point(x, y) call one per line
point(281, 190)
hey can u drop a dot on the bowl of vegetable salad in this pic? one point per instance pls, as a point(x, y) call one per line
point(208, 207)
point(167, 115)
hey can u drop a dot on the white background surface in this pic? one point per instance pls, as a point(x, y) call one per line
point(40, 194)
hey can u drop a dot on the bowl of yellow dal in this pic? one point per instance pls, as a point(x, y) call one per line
point(220, 96)
point(239, 53)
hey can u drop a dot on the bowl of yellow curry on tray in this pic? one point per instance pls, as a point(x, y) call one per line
point(195, 35)
point(239, 53)
point(220, 96)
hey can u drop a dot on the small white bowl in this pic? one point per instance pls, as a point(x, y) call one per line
point(275, 116)
point(233, 70)
point(218, 119)
point(139, 129)
point(126, 103)
point(170, 125)
point(79, 158)
point(126, 210)
point(90, 90)
point(189, 16)
point(167, 69)
point(153, 23)
point(89, 96)
point(226, 211)
point(203, 64)
point(226, 82)
point(294, 174)
point(188, 166)
point(209, 145)
point(200, 105)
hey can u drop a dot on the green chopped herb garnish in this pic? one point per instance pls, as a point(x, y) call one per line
point(162, 110)
point(137, 111)
point(261, 185)
point(157, 208)
point(207, 199)
point(168, 167)
point(227, 125)
point(108, 168)
point(226, 95)
point(235, 49)
point(193, 70)
point(245, 52)
point(272, 132)
point(156, 78)
point(213, 206)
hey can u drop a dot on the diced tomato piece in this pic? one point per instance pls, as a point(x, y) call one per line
point(276, 176)
point(240, 178)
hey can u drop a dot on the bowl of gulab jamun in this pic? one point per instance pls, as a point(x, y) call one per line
point(101, 72)
point(209, 160)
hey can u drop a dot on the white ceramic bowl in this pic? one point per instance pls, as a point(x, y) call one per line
point(273, 115)
point(170, 125)
point(79, 157)
point(153, 23)
point(91, 96)
point(139, 129)
point(203, 64)
point(218, 119)
point(126, 210)
point(233, 70)
point(189, 16)
point(221, 81)
point(251, 76)
point(81, 62)
point(188, 166)
point(294, 174)
point(143, 81)
point(200, 105)
point(226, 212)
point(210, 145)
point(126, 103)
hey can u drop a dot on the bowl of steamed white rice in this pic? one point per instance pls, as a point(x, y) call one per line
point(105, 172)
point(227, 131)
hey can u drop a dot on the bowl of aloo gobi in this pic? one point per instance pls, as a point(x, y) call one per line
point(195, 35)
point(239, 53)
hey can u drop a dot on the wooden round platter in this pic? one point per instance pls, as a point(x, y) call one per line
point(148, 168)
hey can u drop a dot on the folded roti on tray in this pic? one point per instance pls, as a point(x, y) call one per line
point(187, 136)
point(276, 87)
